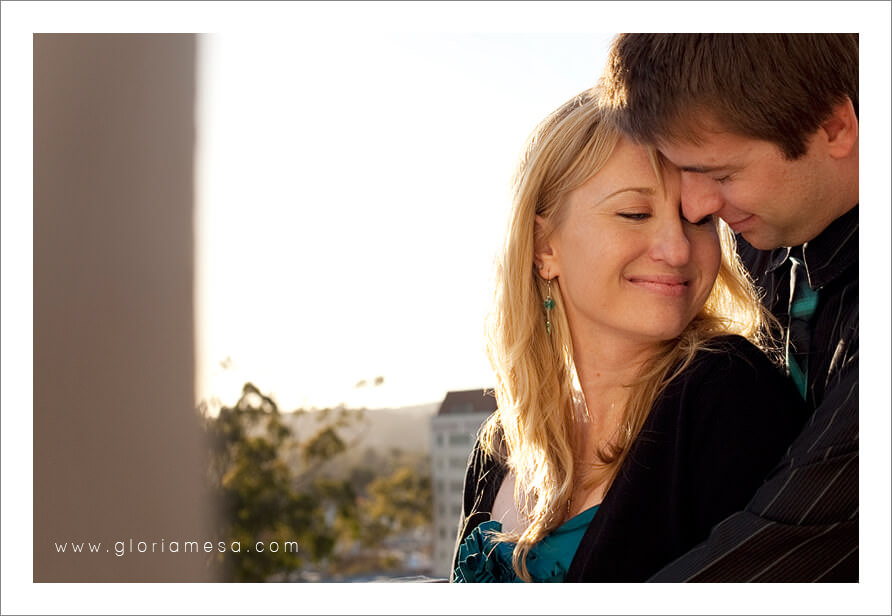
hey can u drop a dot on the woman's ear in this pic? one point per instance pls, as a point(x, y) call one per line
point(545, 256)
point(841, 130)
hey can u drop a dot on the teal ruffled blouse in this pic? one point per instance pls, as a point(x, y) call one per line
point(481, 559)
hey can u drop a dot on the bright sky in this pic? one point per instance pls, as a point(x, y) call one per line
point(352, 193)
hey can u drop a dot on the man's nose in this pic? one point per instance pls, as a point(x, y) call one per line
point(699, 196)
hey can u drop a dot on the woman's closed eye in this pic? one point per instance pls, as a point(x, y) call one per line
point(634, 215)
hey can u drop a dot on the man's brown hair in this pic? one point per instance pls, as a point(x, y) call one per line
point(773, 87)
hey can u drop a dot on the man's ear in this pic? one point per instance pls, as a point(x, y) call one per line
point(545, 256)
point(841, 130)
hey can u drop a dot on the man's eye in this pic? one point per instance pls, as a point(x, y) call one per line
point(723, 179)
point(635, 215)
point(703, 221)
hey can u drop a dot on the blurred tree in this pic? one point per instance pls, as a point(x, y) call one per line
point(334, 498)
point(263, 499)
point(396, 503)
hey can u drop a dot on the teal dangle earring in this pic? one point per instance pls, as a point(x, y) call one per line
point(549, 305)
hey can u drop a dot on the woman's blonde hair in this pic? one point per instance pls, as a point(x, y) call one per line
point(532, 430)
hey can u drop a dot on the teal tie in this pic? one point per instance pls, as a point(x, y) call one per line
point(803, 301)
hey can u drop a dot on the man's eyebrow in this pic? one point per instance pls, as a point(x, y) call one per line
point(647, 191)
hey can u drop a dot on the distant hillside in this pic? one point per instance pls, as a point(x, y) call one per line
point(406, 428)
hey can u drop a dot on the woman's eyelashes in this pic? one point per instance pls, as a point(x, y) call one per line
point(638, 216)
point(642, 216)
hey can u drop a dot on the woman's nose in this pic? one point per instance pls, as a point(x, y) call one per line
point(699, 196)
point(670, 244)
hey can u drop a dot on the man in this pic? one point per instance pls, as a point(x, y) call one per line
point(765, 130)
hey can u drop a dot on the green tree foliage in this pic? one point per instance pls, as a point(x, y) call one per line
point(319, 491)
point(264, 499)
point(396, 503)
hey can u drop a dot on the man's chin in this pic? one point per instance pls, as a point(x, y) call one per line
point(760, 242)
point(762, 237)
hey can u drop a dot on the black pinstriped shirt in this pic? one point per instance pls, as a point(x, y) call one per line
point(802, 523)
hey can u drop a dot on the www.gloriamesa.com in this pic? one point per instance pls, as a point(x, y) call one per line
point(122, 548)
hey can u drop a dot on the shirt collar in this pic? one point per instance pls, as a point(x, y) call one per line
point(828, 255)
point(778, 257)
point(833, 251)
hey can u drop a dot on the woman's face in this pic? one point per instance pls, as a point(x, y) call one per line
point(630, 267)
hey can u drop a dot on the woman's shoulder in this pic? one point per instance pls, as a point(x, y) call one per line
point(735, 357)
point(488, 452)
point(731, 370)
point(485, 471)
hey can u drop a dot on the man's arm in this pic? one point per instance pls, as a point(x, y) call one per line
point(802, 523)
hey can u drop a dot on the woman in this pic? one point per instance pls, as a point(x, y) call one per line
point(636, 409)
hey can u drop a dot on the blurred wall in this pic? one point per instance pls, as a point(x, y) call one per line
point(118, 454)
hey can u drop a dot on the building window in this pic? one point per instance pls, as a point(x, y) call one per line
point(460, 439)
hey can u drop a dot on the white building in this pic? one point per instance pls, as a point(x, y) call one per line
point(454, 430)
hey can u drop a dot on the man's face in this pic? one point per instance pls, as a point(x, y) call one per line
point(748, 182)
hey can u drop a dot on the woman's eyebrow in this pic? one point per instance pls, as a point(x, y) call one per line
point(646, 191)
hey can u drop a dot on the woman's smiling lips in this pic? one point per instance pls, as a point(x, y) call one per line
point(672, 286)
